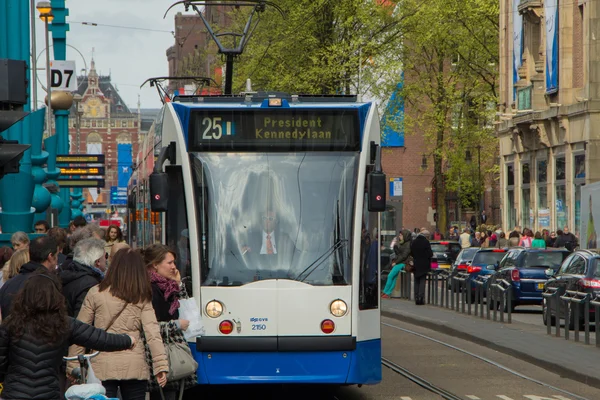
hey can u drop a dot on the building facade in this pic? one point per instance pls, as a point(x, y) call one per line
point(101, 123)
point(549, 110)
point(190, 54)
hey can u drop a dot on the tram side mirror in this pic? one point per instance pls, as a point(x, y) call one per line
point(376, 184)
point(159, 191)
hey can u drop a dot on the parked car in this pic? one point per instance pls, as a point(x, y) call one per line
point(444, 253)
point(484, 263)
point(579, 272)
point(462, 262)
point(525, 270)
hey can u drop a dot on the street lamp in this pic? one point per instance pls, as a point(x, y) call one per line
point(45, 10)
point(79, 113)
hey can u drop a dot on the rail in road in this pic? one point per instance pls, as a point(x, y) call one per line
point(420, 364)
point(476, 361)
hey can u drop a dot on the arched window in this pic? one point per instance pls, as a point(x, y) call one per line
point(124, 138)
point(94, 143)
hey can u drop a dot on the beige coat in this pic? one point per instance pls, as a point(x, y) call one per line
point(99, 308)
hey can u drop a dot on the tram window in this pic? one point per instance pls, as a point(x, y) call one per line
point(369, 260)
point(178, 237)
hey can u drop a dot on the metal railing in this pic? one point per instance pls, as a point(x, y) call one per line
point(500, 298)
point(460, 293)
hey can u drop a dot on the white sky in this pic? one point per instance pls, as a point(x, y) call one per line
point(130, 56)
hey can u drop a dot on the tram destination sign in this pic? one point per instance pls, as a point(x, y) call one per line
point(80, 159)
point(285, 129)
point(81, 183)
point(82, 170)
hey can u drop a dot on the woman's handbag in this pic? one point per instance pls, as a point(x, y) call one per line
point(181, 361)
point(409, 265)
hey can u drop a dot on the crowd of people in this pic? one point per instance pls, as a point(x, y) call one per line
point(68, 291)
point(517, 237)
point(412, 250)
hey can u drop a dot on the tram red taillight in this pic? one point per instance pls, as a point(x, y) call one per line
point(327, 326)
point(226, 327)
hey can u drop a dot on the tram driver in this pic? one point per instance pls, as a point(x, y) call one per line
point(269, 239)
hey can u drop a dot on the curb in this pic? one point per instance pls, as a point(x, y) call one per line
point(549, 366)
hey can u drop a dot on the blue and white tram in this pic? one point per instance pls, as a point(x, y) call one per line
point(265, 198)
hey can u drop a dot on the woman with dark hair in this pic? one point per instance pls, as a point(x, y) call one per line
point(538, 241)
point(122, 303)
point(167, 289)
point(35, 336)
point(113, 236)
point(527, 238)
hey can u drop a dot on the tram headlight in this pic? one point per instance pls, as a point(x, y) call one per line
point(338, 308)
point(214, 309)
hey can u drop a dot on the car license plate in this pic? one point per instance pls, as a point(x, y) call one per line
point(444, 266)
point(540, 286)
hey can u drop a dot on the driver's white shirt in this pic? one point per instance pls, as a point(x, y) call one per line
point(263, 249)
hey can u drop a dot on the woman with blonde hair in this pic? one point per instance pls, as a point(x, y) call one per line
point(167, 289)
point(18, 259)
point(122, 303)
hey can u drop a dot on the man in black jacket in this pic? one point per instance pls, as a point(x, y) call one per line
point(85, 271)
point(421, 251)
point(43, 254)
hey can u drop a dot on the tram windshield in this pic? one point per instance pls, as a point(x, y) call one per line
point(275, 216)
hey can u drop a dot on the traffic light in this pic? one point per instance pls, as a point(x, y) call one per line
point(159, 191)
point(377, 188)
point(11, 151)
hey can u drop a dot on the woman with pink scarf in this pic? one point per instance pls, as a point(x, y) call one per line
point(166, 292)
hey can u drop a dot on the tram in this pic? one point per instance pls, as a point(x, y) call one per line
point(270, 202)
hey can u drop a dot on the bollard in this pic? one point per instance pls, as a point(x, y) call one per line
point(596, 304)
point(549, 294)
point(567, 300)
point(502, 302)
point(468, 294)
point(493, 303)
point(452, 290)
point(586, 318)
point(509, 302)
point(487, 297)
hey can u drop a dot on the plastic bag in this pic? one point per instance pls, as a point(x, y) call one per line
point(188, 309)
point(84, 391)
point(91, 376)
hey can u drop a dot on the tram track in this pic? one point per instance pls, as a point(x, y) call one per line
point(419, 380)
point(444, 393)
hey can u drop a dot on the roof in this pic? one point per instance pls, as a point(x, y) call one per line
point(109, 91)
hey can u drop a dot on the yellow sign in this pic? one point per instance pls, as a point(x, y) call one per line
point(82, 171)
point(80, 158)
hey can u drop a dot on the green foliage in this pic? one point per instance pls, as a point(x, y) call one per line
point(323, 47)
point(450, 57)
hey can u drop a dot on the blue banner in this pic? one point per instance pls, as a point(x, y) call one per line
point(124, 161)
point(551, 16)
point(392, 123)
point(517, 44)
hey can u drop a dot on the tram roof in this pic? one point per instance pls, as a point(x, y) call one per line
point(261, 99)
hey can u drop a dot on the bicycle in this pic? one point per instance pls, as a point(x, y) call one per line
point(77, 391)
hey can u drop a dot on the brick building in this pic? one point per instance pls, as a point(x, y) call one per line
point(106, 126)
point(190, 55)
point(549, 110)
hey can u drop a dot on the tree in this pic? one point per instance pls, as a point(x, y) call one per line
point(323, 47)
point(449, 56)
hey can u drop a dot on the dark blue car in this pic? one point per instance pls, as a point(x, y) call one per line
point(484, 263)
point(525, 270)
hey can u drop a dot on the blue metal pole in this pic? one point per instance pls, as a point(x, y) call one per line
point(59, 31)
point(62, 136)
point(16, 190)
